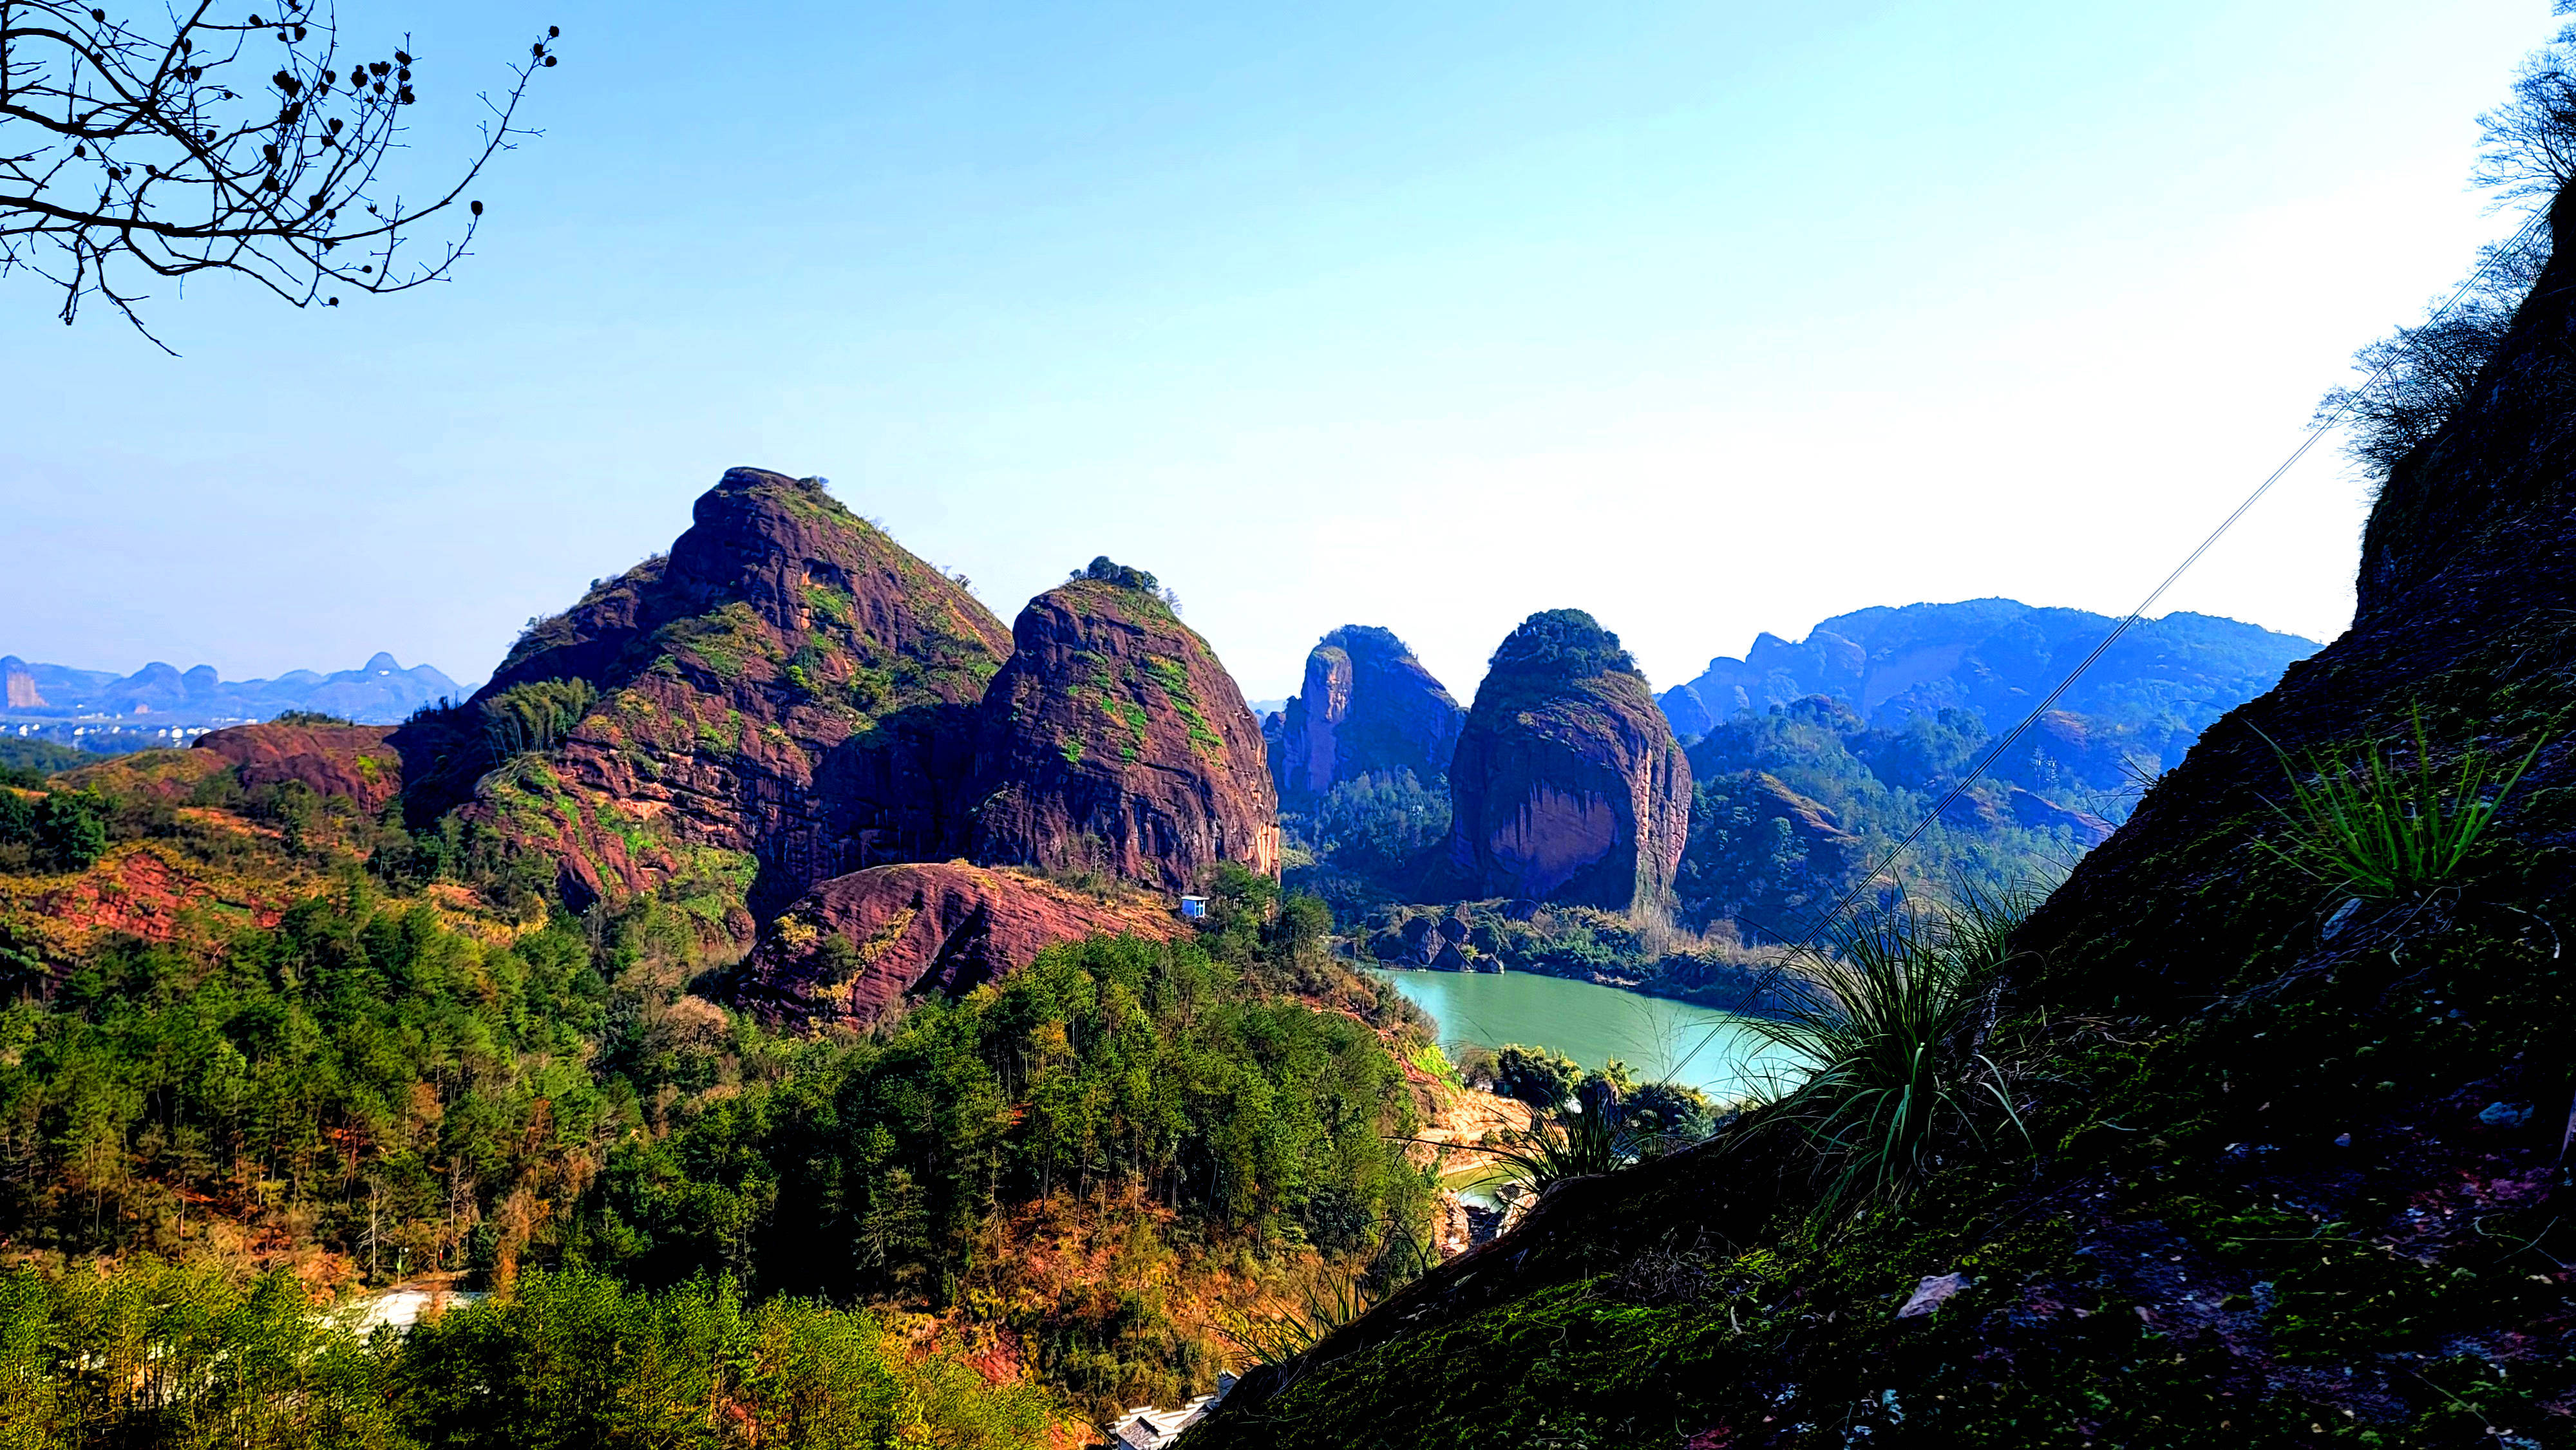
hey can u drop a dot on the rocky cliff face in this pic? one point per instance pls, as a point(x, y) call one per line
point(1567, 784)
point(1368, 707)
point(18, 685)
point(786, 697)
point(1113, 740)
point(854, 950)
point(354, 761)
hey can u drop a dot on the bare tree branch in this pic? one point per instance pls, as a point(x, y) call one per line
point(2417, 377)
point(128, 149)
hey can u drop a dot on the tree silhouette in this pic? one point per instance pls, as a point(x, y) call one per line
point(131, 150)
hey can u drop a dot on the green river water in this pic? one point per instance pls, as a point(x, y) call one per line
point(1657, 1037)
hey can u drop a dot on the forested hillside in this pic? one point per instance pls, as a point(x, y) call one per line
point(1815, 758)
point(313, 1010)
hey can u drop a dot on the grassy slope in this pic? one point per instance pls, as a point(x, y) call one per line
point(2286, 1186)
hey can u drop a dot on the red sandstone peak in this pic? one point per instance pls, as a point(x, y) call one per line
point(1567, 784)
point(1368, 707)
point(1114, 740)
point(785, 697)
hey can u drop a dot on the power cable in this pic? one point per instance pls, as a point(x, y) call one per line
point(2324, 425)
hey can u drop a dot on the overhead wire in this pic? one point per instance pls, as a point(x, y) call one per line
point(2325, 423)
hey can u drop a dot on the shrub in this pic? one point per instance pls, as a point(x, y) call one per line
point(1479, 1066)
point(1576, 1139)
point(17, 819)
point(1280, 1337)
point(1884, 1018)
point(2417, 377)
point(1679, 1112)
point(1563, 644)
point(69, 832)
point(1535, 1075)
point(1106, 570)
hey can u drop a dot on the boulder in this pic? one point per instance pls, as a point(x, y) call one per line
point(1114, 741)
point(1567, 785)
point(912, 930)
point(354, 761)
point(1368, 707)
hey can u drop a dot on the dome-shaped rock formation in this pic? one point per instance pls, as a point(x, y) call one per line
point(851, 951)
point(1368, 708)
point(785, 697)
point(334, 760)
point(1113, 740)
point(1567, 784)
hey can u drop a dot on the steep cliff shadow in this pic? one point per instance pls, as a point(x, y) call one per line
point(892, 793)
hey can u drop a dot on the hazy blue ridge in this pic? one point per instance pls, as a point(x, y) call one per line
point(103, 710)
point(2169, 677)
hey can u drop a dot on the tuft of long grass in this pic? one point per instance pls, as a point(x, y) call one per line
point(1278, 1338)
point(1883, 1017)
point(1590, 1134)
point(1563, 1142)
point(2385, 832)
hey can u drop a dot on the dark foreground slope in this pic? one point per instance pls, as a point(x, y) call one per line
point(2297, 1174)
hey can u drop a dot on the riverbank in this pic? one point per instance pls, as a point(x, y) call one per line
point(1659, 1038)
point(1609, 949)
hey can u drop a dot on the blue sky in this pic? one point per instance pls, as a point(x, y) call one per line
point(1710, 319)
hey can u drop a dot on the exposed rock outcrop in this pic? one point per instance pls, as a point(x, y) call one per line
point(786, 697)
point(1368, 707)
point(1114, 741)
point(353, 761)
point(1567, 784)
point(18, 685)
point(851, 951)
point(139, 890)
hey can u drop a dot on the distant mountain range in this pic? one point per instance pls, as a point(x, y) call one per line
point(102, 709)
point(1997, 658)
point(1804, 761)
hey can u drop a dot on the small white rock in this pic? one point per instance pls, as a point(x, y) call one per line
point(1931, 1294)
